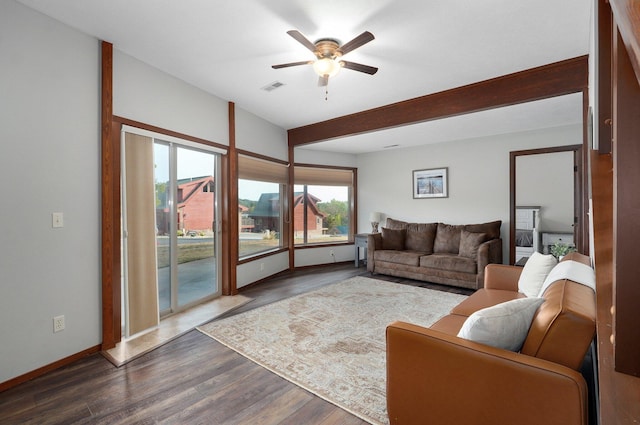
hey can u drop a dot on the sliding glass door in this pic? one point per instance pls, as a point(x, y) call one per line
point(182, 210)
point(185, 180)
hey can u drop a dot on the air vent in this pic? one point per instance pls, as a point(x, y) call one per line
point(390, 146)
point(273, 86)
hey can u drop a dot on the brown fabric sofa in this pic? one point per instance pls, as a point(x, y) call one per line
point(435, 252)
point(435, 377)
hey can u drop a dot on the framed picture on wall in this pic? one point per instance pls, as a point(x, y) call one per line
point(432, 183)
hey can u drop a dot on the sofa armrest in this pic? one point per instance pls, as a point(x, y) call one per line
point(374, 241)
point(437, 378)
point(502, 276)
point(489, 252)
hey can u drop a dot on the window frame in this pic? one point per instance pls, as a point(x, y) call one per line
point(259, 168)
point(323, 175)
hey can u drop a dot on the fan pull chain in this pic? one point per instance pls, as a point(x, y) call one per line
point(326, 91)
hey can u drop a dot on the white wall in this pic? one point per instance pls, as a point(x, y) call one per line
point(308, 156)
point(256, 135)
point(478, 179)
point(50, 132)
point(145, 94)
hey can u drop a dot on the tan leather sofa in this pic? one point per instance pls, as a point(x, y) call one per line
point(435, 377)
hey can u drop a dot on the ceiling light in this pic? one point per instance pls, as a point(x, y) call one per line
point(326, 66)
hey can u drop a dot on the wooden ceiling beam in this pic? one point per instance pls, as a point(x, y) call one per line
point(556, 79)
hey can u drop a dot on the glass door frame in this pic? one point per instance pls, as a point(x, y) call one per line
point(175, 307)
point(173, 143)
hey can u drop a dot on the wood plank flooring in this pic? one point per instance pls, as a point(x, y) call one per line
point(190, 380)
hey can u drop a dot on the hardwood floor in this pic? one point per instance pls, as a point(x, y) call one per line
point(190, 380)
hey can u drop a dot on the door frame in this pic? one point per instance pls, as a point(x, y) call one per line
point(578, 198)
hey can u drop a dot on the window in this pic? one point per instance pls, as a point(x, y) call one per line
point(322, 205)
point(261, 191)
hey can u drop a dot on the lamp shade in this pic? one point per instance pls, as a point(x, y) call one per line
point(326, 66)
point(374, 217)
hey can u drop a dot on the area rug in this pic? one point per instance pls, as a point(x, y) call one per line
point(331, 341)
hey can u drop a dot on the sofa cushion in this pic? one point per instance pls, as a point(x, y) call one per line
point(534, 273)
point(469, 243)
point(484, 298)
point(504, 325)
point(449, 324)
point(565, 324)
point(393, 238)
point(396, 224)
point(447, 239)
point(420, 237)
point(449, 262)
point(492, 229)
point(409, 258)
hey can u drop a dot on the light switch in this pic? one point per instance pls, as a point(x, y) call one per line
point(57, 220)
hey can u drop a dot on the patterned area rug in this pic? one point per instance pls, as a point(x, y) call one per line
point(331, 342)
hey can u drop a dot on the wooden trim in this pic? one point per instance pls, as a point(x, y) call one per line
point(48, 368)
point(556, 79)
point(626, 14)
point(578, 203)
point(290, 211)
point(263, 157)
point(626, 175)
point(160, 130)
point(110, 180)
point(603, 85)
point(602, 199)
point(230, 285)
point(330, 167)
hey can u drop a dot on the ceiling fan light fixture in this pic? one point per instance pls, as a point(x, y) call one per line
point(326, 66)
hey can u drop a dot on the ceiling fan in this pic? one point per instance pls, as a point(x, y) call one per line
point(328, 52)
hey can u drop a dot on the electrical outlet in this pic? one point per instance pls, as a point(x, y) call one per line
point(331, 253)
point(261, 266)
point(58, 324)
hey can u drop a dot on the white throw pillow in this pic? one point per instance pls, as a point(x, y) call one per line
point(503, 325)
point(534, 273)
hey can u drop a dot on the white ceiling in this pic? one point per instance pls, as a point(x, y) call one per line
point(422, 46)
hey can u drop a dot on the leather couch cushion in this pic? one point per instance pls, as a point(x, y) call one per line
point(393, 238)
point(470, 242)
point(492, 229)
point(409, 258)
point(484, 298)
point(447, 239)
point(449, 262)
point(564, 326)
point(450, 324)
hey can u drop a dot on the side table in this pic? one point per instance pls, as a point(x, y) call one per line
point(360, 241)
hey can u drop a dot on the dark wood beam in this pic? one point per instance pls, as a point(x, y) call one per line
point(627, 16)
point(111, 329)
point(556, 79)
point(230, 232)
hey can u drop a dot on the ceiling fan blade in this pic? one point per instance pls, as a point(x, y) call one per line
point(359, 67)
point(360, 40)
point(302, 40)
point(286, 65)
point(323, 80)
